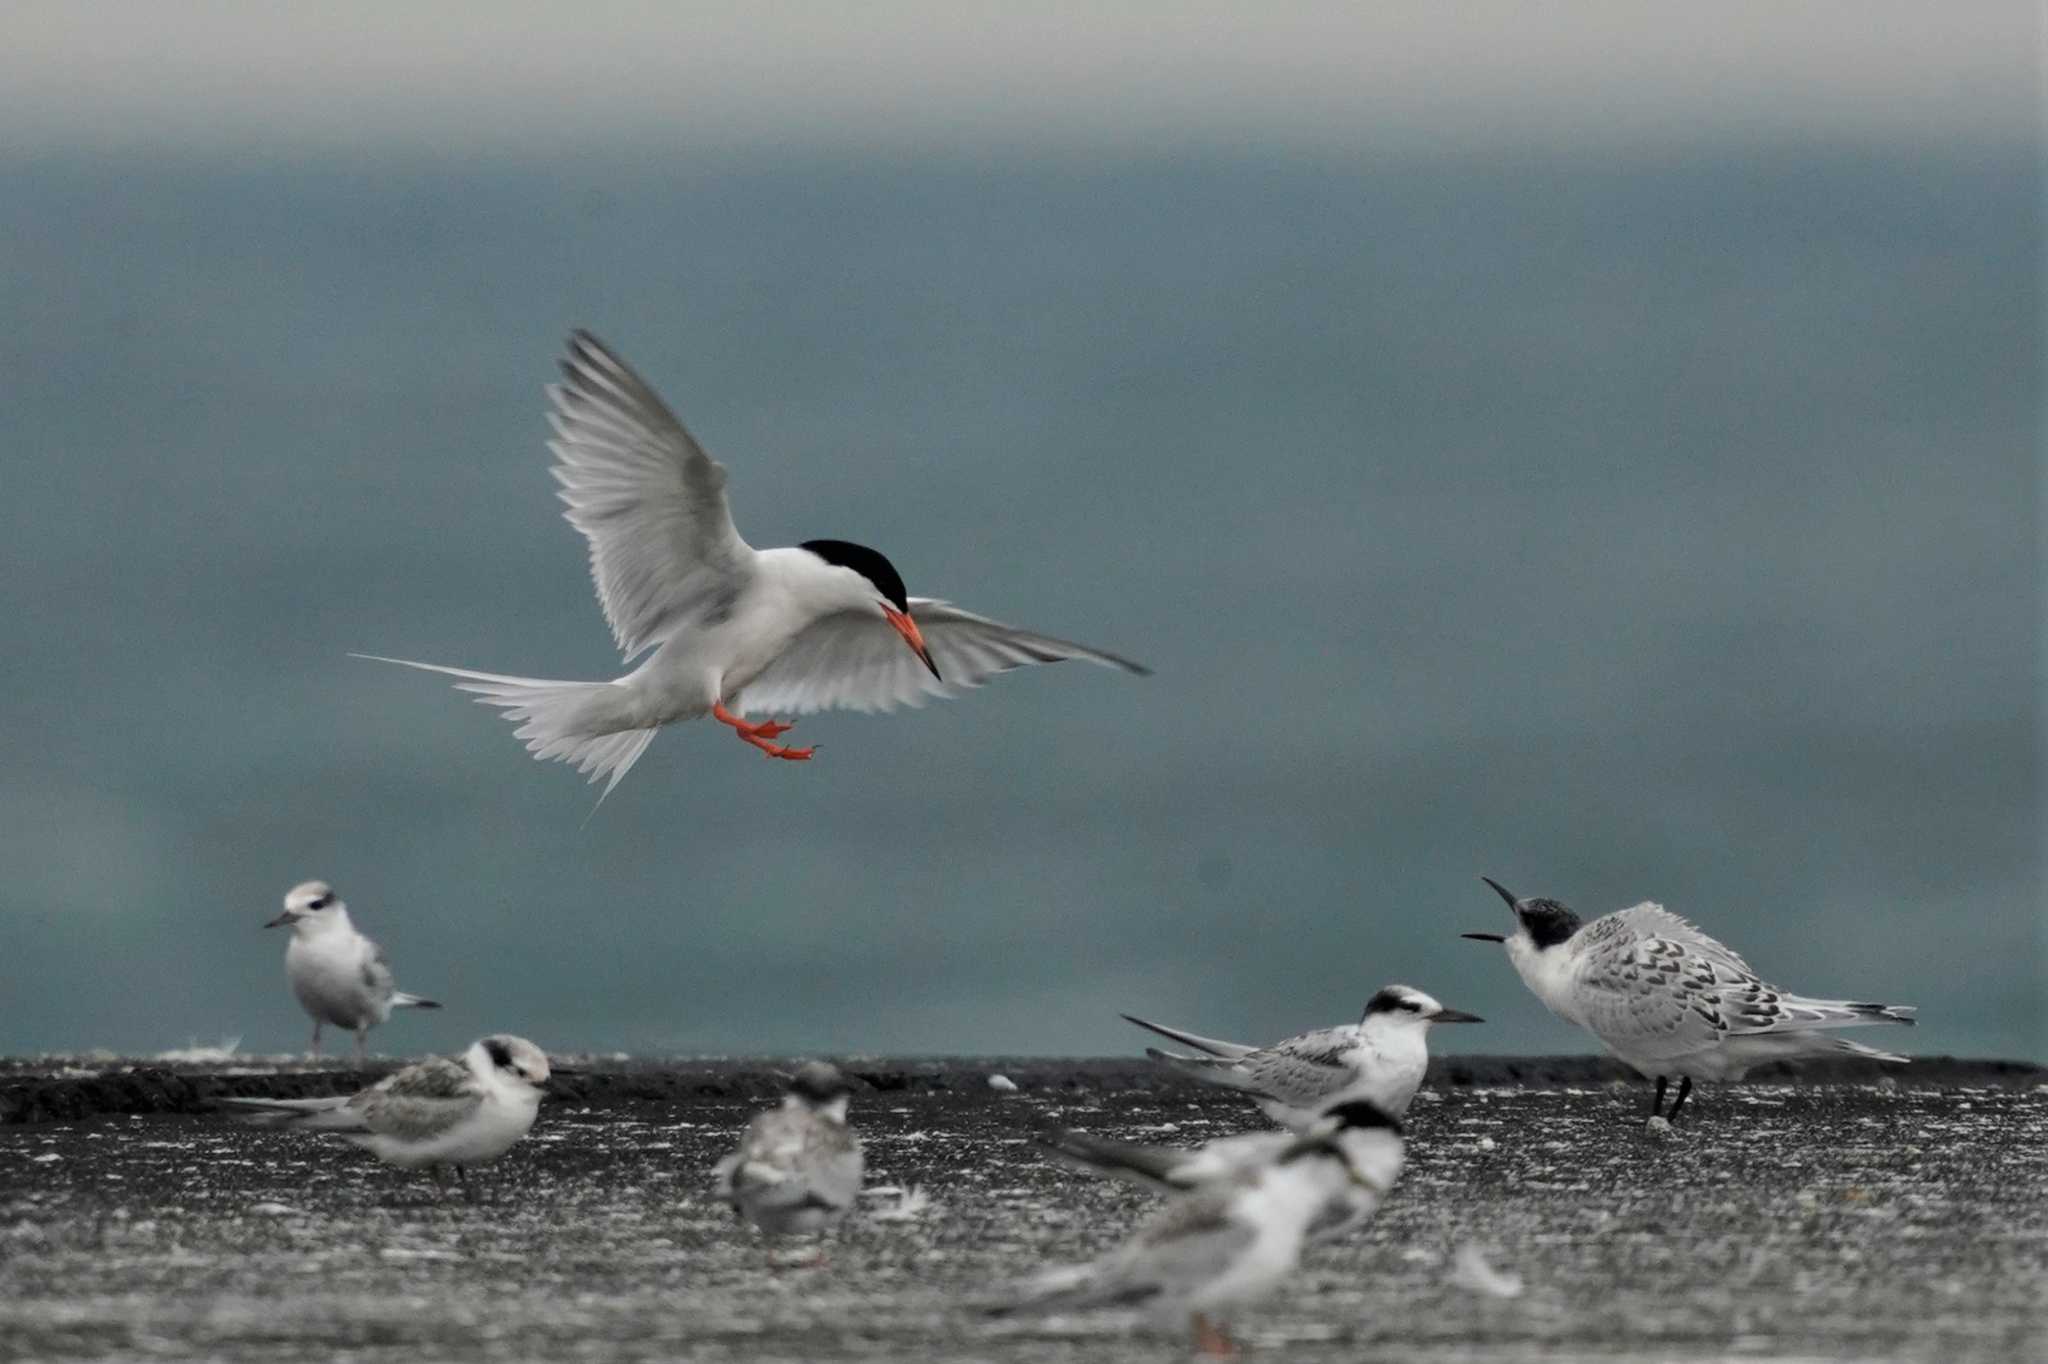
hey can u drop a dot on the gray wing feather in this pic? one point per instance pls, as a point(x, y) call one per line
point(420, 1101)
point(1304, 1069)
point(853, 660)
point(1214, 1046)
point(1659, 987)
point(377, 977)
point(1148, 1167)
point(663, 548)
point(787, 1158)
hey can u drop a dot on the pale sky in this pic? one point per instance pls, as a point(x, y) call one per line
point(527, 77)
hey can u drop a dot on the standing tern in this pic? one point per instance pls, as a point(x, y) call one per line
point(1668, 999)
point(1231, 1239)
point(798, 1166)
point(1374, 1138)
point(339, 975)
point(733, 630)
point(1382, 1057)
point(437, 1113)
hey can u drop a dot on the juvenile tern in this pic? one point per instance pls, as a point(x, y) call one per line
point(436, 1113)
point(1224, 1242)
point(1372, 1136)
point(339, 975)
point(1668, 999)
point(733, 630)
point(798, 1166)
point(1381, 1057)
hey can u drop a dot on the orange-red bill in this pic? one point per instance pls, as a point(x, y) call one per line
point(912, 636)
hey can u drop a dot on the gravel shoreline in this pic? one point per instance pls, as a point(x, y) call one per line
point(1903, 1218)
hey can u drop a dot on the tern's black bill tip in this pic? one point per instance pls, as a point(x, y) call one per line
point(1485, 937)
point(1500, 890)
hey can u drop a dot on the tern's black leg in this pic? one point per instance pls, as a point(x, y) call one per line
point(1684, 1088)
point(462, 1178)
point(1657, 1101)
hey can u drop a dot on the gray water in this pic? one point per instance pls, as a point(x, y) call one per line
point(1623, 526)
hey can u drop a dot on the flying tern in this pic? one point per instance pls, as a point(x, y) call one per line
point(733, 630)
point(339, 975)
point(1231, 1239)
point(1382, 1057)
point(798, 1166)
point(1668, 999)
point(1373, 1136)
point(436, 1113)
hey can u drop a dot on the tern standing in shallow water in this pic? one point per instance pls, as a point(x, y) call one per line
point(733, 630)
point(798, 1166)
point(433, 1114)
point(1670, 1000)
point(339, 975)
point(1382, 1057)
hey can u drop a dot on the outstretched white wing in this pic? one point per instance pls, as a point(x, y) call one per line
point(855, 660)
point(663, 551)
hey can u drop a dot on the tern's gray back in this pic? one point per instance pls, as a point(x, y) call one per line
point(802, 1160)
point(421, 1101)
point(1306, 1069)
point(1651, 920)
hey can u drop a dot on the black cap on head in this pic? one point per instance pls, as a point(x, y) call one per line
point(499, 1052)
point(1390, 1000)
point(1549, 923)
point(870, 564)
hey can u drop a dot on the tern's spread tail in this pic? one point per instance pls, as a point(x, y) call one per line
point(588, 724)
point(402, 1000)
point(1229, 1051)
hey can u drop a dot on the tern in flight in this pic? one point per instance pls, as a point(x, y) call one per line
point(728, 630)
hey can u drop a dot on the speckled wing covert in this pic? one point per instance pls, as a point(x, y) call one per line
point(855, 661)
point(1654, 986)
point(1303, 1070)
point(645, 495)
point(420, 1101)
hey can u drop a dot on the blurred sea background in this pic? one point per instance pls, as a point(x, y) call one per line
point(1597, 449)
